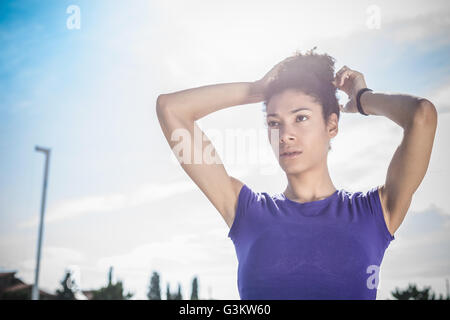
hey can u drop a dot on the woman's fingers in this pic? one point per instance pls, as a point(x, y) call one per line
point(338, 78)
point(345, 75)
point(341, 71)
point(275, 69)
point(356, 82)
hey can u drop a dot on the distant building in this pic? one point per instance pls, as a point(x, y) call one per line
point(12, 288)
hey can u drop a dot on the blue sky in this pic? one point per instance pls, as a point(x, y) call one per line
point(114, 196)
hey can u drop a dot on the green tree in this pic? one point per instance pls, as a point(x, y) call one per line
point(412, 293)
point(154, 292)
point(194, 294)
point(178, 296)
point(111, 291)
point(67, 284)
point(168, 294)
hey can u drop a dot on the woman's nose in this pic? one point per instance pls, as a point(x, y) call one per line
point(286, 135)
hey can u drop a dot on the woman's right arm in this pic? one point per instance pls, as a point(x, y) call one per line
point(198, 102)
point(179, 111)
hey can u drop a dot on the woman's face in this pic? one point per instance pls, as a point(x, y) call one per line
point(298, 118)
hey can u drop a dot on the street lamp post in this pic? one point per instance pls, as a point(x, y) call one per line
point(35, 293)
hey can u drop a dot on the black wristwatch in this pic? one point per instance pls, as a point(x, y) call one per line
point(358, 100)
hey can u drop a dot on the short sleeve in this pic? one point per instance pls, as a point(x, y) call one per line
point(376, 209)
point(245, 199)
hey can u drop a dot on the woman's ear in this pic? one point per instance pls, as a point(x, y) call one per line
point(333, 124)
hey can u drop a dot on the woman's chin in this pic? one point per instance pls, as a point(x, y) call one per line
point(291, 168)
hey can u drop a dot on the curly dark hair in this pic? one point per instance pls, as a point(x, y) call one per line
point(310, 73)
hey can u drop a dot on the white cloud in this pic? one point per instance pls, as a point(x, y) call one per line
point(68, 209)
point(420, 253)
point(440, 97)
point(207, 255)
point(54, 256)
point(432, 27)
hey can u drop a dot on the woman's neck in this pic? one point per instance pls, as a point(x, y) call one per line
point(309, 186)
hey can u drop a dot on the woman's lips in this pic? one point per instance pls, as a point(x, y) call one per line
point(290, 155)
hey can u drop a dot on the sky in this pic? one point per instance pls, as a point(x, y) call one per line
point(115, 195)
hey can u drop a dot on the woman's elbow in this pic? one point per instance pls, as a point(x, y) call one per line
point(426, 111)
point(161, 100)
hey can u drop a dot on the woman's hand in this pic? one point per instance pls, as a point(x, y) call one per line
point(350, 81)
point(261, 85)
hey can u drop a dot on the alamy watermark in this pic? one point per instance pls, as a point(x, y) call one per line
point(374, 278)
point(74, 20)
point(374, 19)
point(241, 146)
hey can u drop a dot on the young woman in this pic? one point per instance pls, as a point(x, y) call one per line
point(312, 241)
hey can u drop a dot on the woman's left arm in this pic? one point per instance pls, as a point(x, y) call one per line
point(418, 118)
point(405, 110)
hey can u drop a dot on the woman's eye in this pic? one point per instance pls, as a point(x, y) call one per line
point(274, 123)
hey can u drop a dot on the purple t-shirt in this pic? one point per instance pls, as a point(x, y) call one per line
point(325, 249)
